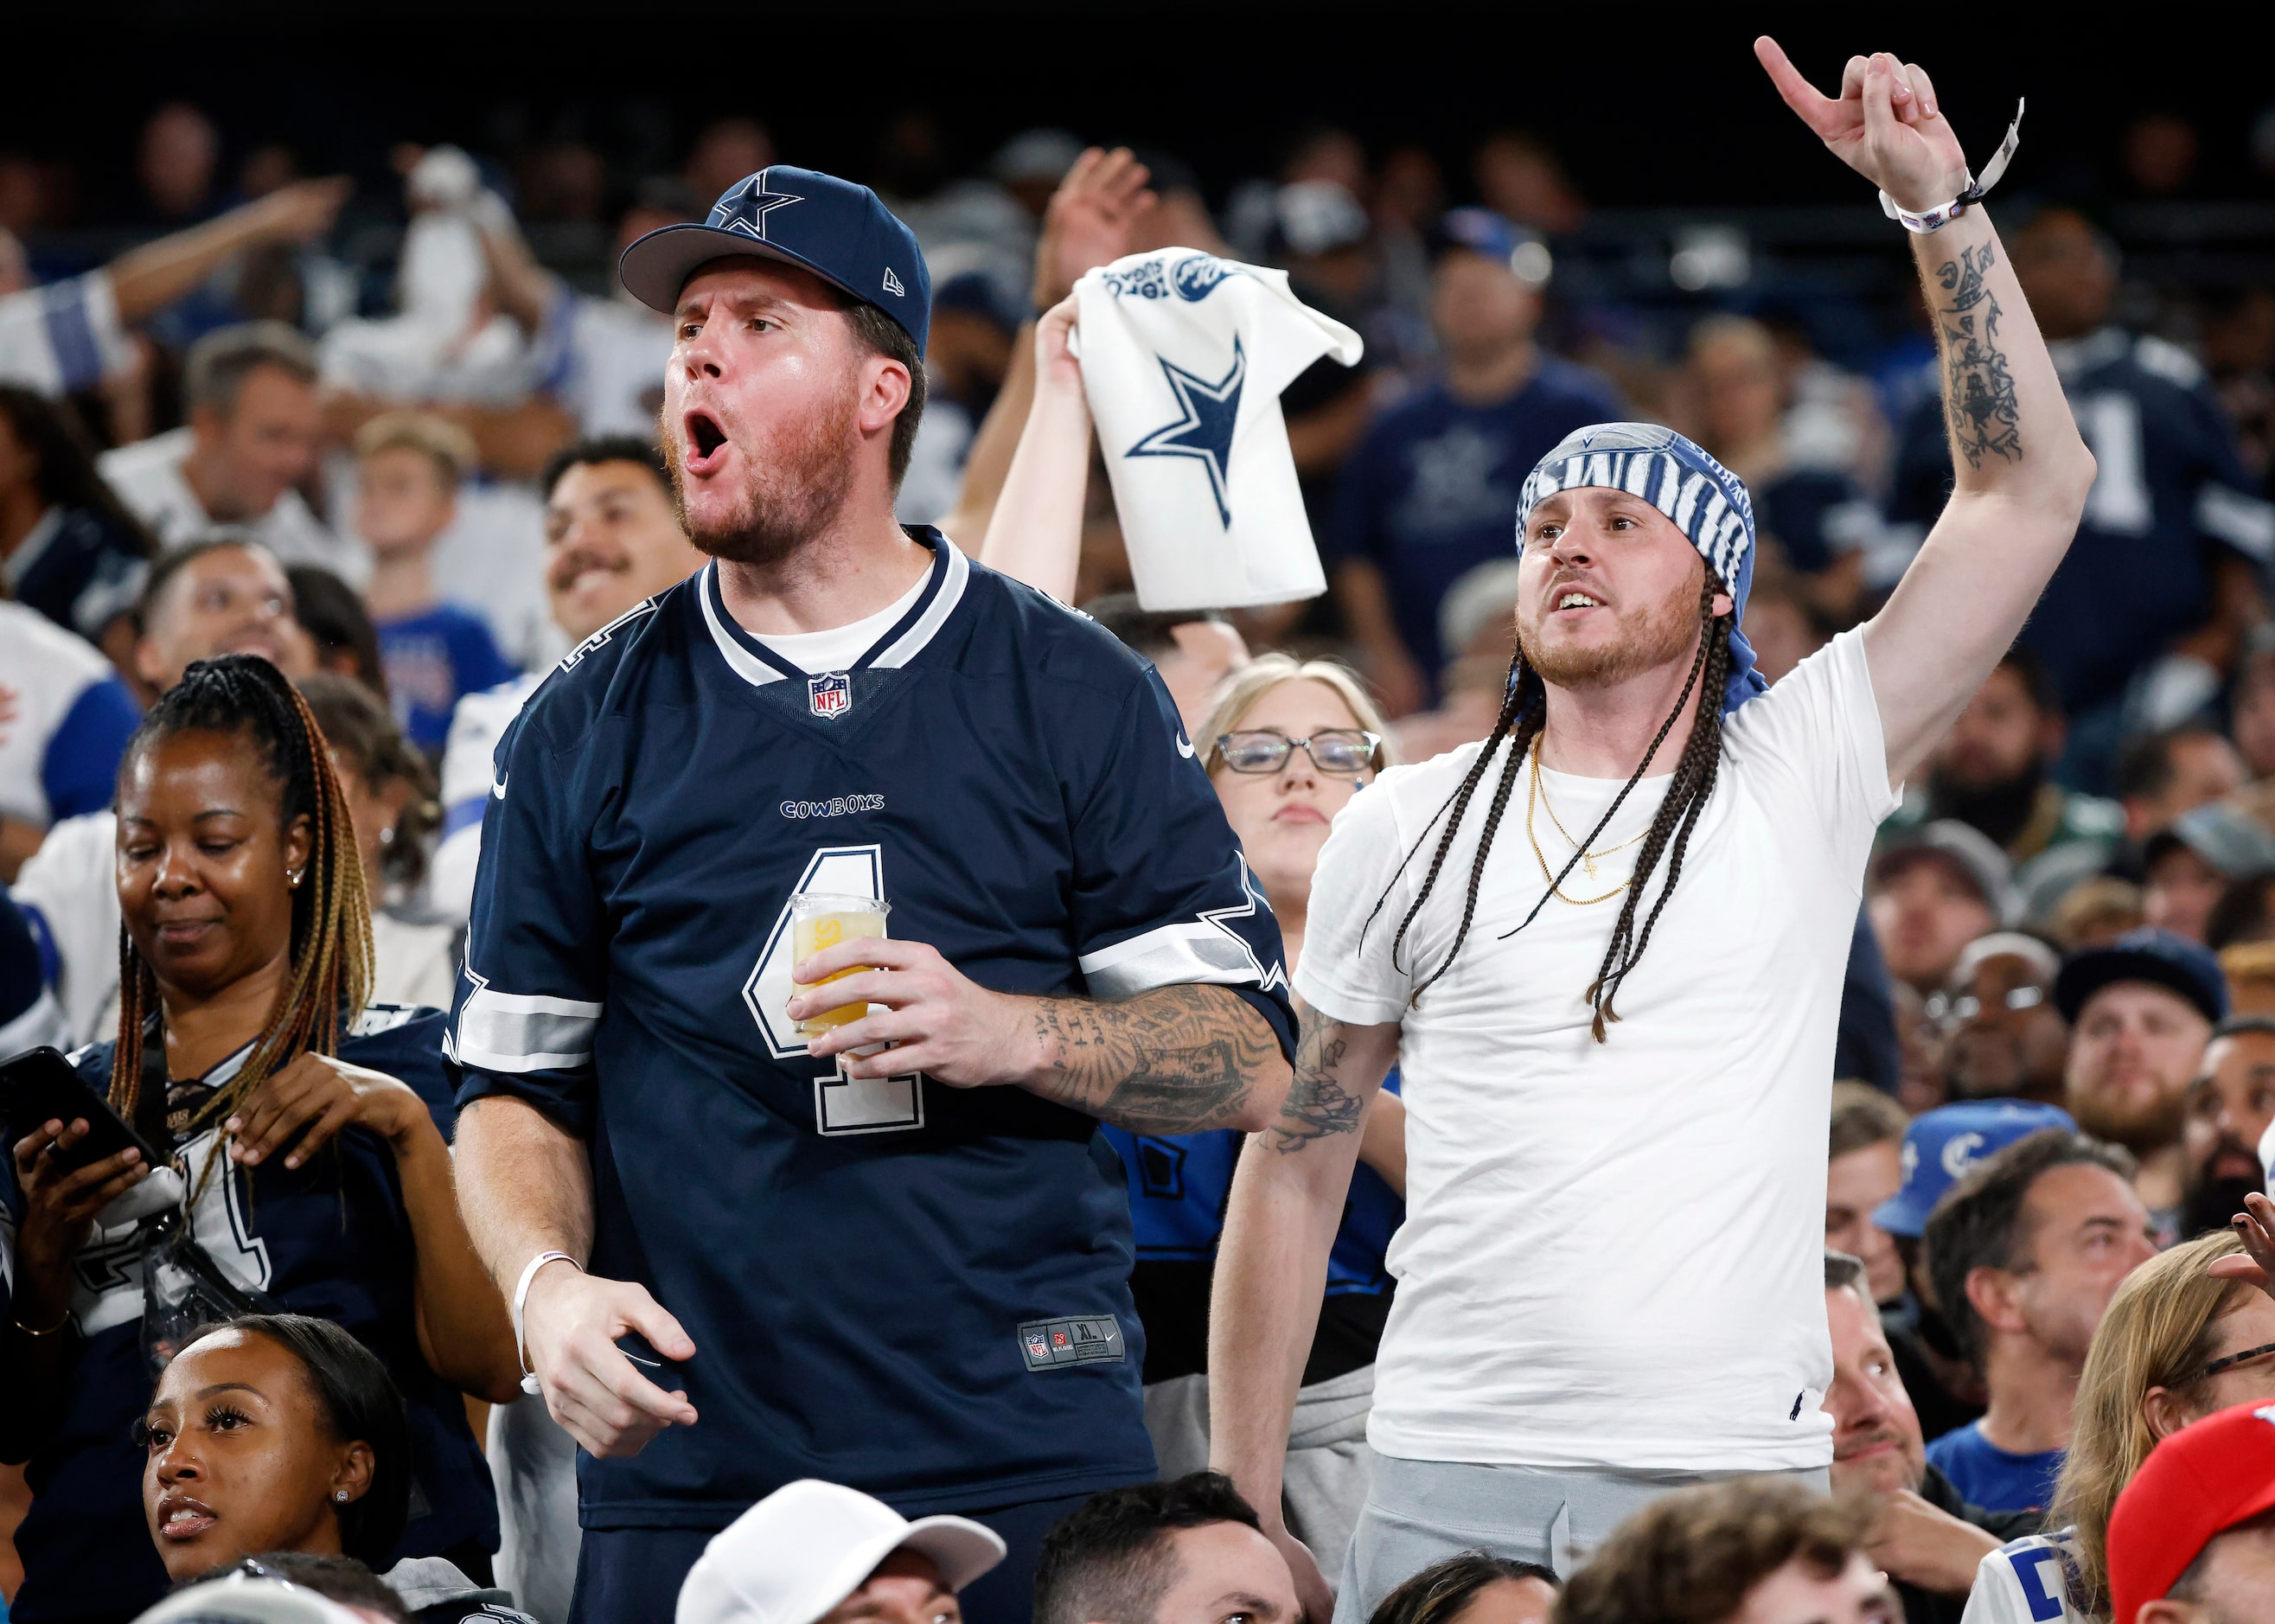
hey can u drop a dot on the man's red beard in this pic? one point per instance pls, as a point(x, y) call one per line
point(1659, 634)
point(791, 497)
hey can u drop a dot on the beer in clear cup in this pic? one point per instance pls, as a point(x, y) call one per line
point(819, 919)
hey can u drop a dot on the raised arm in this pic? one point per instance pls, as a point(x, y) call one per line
point(148, 279)
point(1035, 533)
point(1272, 1265)
point(2021, 470)
point(1088, 224)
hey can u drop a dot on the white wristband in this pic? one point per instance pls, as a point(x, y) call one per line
point(1943, 214)
point(529, 1382)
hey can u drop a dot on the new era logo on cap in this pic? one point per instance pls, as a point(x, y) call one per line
point(838, 230)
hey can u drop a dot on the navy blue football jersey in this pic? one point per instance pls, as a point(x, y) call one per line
point(2169, 489)
point(917, 1290)
point(329, 1239)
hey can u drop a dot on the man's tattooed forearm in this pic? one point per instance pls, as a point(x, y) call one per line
point(1176, 1060)
point(1318, 1107)
point(1978, 386)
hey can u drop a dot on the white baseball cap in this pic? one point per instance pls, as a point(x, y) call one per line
point(808, 1545)
point(243, 1599)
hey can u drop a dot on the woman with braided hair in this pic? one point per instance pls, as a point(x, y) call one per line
point(1606, 948)
point(310, 1130)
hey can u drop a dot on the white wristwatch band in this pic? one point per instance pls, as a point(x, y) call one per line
point(1943, 214)
point(529, 1382)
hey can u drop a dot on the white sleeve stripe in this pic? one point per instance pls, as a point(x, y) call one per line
point(488, 1000)
point(518, 1032)
point(1171, 956)
point(2244, 523)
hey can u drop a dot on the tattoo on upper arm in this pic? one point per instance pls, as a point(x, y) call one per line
point(1318, 1105)
point(1979, 385)
point(1176, 1060)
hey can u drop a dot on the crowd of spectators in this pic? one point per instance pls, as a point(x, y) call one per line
point(407, 502)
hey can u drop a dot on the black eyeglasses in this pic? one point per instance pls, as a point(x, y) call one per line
point(2235, 1359)
point(1340, 753)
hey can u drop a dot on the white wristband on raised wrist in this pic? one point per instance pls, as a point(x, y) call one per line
point(1943, 214)
point(529, 1382)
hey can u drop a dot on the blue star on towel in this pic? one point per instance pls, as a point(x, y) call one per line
point(1205, 429)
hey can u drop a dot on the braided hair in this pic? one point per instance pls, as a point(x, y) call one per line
point(245, 696)
point(1523, 711)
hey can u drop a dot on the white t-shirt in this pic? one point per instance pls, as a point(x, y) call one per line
point(65, 717)
point(604, 360)
point(841, 645)
point(1613, 1254)
point(2027, 1580)
point(71, 884)
point(147, 476)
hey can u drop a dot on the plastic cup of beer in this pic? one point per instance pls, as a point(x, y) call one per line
point(819, 919)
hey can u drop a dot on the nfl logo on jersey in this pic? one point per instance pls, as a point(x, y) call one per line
point(830, 694)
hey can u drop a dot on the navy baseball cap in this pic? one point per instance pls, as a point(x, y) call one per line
point(840, 231)
point(2158, 957)
point(1943, 1143)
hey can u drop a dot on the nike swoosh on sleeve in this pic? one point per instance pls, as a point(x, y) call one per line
point(1184, 749)
point(498, 788)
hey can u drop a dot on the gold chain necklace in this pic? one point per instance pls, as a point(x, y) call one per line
point(1532, 797)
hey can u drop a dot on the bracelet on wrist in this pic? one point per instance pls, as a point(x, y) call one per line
point(529, 1382)
point(63, 1322)
point(1922, 221)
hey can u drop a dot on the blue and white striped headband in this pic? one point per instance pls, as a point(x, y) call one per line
point(1707, 502)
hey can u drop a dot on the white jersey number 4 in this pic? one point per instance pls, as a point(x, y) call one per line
point(842, 1105)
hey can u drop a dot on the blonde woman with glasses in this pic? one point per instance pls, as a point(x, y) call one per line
point(2178, 1343)
point(1287, 745)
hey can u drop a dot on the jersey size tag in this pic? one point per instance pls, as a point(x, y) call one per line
point(1047, 1344)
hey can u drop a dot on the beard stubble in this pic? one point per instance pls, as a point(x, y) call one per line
point(791, 497)
point(1659, 634)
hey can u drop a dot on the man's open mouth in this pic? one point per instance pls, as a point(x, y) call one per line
point(704, 435)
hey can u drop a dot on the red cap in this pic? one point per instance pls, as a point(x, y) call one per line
point(2197, 1484)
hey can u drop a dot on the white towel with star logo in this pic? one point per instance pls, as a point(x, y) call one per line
point(1183, 356)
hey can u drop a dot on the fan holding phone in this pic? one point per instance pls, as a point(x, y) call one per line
point(299, 1140)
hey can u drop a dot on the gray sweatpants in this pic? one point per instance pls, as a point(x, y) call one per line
point(1421, 1512)
point(1323, 1480)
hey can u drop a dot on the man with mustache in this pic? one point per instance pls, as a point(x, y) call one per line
point(2141, 1011)
point(2225, 1118)
point(611, 542)
point(745, 1245)
point(1924, 1535)
point(1611, 934)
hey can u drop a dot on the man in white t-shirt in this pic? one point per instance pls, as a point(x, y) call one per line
point(1605, 948)
point(255, 423)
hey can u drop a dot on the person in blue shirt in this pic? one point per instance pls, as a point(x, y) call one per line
point(745, 1253)
point(409, 467)
point(2159, 588)
point(1427, 495)
point(308, 1141)
point(2024, 1252)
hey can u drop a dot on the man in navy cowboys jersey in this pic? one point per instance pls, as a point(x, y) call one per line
point(741, 1256)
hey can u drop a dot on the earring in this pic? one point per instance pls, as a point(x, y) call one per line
point(386, 835)
point(294, 879)
point(340, 1495)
